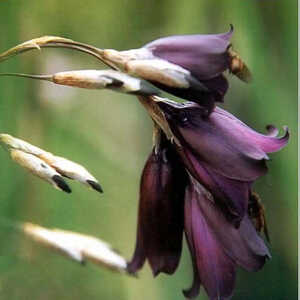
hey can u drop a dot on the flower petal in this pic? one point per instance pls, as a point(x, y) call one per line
point(230, 195)
point(217, 88)
point(139, 256)
point(160, 224)
point(242, 244)
point(236, 191)
point(213, 142)
point(205, 56)
point(240, 131)
point(194, 289)
point(216, 269)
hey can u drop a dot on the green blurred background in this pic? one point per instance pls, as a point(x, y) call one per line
point(111, 135)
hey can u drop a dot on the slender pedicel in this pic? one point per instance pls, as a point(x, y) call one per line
point(52, 41)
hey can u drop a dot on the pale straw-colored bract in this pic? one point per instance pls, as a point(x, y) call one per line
point(76, 246)
point(46, 165)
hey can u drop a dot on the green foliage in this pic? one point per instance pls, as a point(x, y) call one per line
point(111, 135)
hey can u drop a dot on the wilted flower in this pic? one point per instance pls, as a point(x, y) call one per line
point(215, 161)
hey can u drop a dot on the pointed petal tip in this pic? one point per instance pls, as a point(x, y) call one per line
point(134, 275)
point(286, 130)
point(137, 261)
point(231, 30)
point(166, 266)
point(261, 261)
point(285, 138)
point(275, 142)
point(227, 35)
point(132, 268)
point(61, 184)
point(193, 291)
point(155, 272)
point(95, 185)
point(272, 130)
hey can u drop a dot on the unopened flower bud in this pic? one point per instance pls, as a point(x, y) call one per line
point(39, 168)
point(78, 247)
point(47, 166)
point(97, 79)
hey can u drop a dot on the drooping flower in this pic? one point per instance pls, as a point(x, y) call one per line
point(216, 246)
point(222, 216)
point(198, 178)
point(206, 57)
point(160, 220)
point(221, 152)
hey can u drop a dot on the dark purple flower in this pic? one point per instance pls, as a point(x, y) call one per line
point(215, 160)
point(160, 219)
point(221, 152)
point(206, 57)
point(216, 246)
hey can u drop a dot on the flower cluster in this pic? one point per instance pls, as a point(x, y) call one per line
point(201, 186)
point(198, 178)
